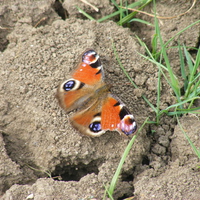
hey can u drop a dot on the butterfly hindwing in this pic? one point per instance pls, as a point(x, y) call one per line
point(105, 114)
point(116, 116)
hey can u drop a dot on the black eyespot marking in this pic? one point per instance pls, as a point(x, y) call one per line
point(72, 84)
point(95, 127)
point(97, 115)
point(96, 64)
point(81, 85)
point(98, 72)
point(92, 59)
point(69, 85)
point(117, 104)
point(123, 112)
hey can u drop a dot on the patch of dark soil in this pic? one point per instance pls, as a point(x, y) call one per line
point(74, 172)
point(57, 6)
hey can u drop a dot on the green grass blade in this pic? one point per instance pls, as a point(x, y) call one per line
point(129, 78)
point(177, 34)
point(197, 61)
point(109, 16)
point(196, 91)
point(185, 111)
point(196, 77)
point(121, 14)
point(136, 4)
point(107, 193)
point(131, 15)
point(141, 21)
point(154, 46)
point(85, 14)
point(173, 80)
point(182, 64)
point(189, 61)
point(125, 154)
point(197, 152)
point(158, 95)
point(178, 106)
point(122, 67)
point(146, 48)
point(193, 76)
point(115, 4)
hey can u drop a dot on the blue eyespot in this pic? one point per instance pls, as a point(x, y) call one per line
point(95, 127)
point(69, 85)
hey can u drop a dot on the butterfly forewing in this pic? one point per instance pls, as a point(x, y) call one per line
point(84, 81)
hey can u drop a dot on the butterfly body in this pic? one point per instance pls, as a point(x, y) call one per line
point(97, 109)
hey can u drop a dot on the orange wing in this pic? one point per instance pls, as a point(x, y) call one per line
point(86, 78)
point(90, 70)
point(116, 116)
point(107, 113)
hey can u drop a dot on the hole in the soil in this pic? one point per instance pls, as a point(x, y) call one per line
point(57, 6)
point(150, 132)
point(124, 191)
point(145, 160)
point(74, 172)
point(3, 41)
point(125, 196)
point(128, 175)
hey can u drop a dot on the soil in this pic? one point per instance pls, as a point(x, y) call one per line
point(42, 156)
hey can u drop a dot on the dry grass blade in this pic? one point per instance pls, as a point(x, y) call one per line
point(41, 20)
point(160, 17)
point(89, 4)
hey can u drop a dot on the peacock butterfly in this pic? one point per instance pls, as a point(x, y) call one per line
point(96, 109)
